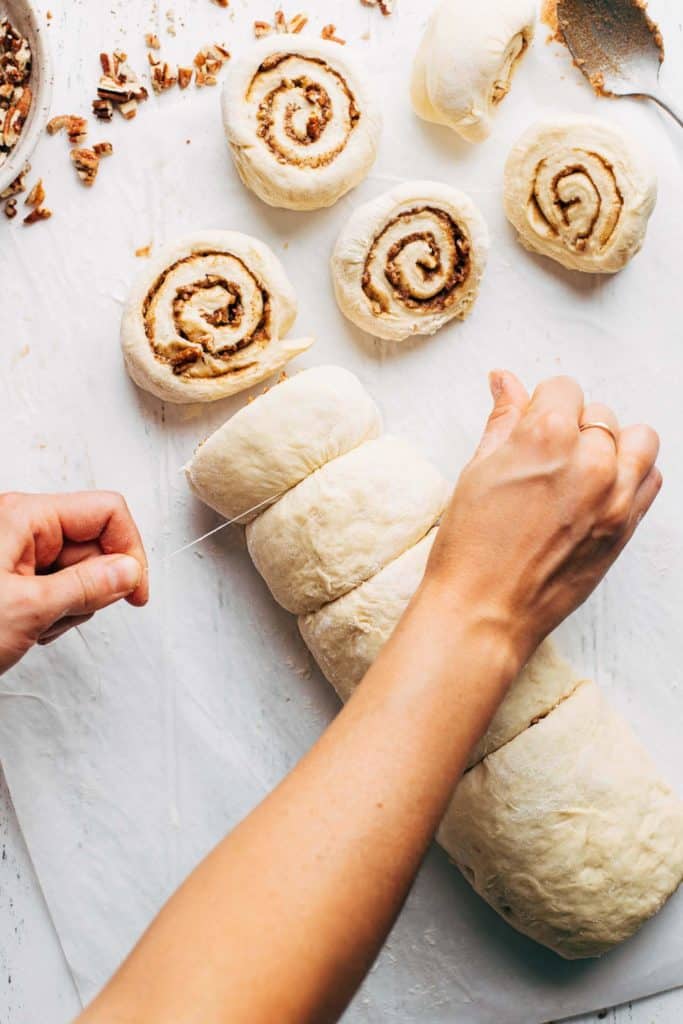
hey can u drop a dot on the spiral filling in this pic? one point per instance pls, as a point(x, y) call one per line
point(576, 198)
point(305, 109)
point(419, 261)
point(205, 313)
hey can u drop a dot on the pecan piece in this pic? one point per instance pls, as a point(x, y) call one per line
point(87, 164)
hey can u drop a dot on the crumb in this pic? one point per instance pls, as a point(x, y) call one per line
point(152, 41)
point(143, 252)
point(10, 209)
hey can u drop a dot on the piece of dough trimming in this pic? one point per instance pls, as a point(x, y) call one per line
point(207, 318)
point(466, 61)
point(411, 260)
point(301, 121)
point(344, 522)
point(283, 436)
point(580, 191)
point(568, 831)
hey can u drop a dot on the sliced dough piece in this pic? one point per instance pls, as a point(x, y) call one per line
point(410, 261)
point(346, 636)
point(581, 192)
point(568, 831)
point(207, 318)
point(345, 522)
point(273, 443)
point(300, 120)
point(466, 61)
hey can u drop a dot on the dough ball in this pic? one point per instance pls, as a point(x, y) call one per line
point(207, 318)
point(300, 120)
point(411, 260)
point(581, 192)
point(465, 64)
point(346, 636)
point(279, 439)
point(568, 831)
point(342, 524)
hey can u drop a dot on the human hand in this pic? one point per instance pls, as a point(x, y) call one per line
point(543, 510)
point(62, 558)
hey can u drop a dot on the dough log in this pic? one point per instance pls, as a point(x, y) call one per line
point(568, 831)
point(581, 192)
point(345, 522)
point(464, 67)
point(272, 444)
point(207, 319)
point(300, 120)
point(410, 261)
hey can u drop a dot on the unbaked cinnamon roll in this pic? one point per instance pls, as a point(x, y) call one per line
point(411, 260)
point(581, 192)
point(207, 319)
point(300, 121)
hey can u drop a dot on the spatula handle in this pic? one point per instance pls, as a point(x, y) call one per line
point(667, 104)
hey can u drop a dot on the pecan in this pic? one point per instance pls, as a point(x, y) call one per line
point(129, 110)
point(297, 23)
point(262, 28)
point(10, 209)
point(76, 127)
point(164, 76)
point(280, 21)
point(101, 149)
point(18, 185)
point(143, 251)
point(87, 164)
point(329, 33)
point(385, 6)
point(184, 77)
point(36, 196)
point(152, 41)
point(40, 213)
point(222, 3)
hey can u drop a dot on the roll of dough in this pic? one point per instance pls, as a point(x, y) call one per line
point(568, 831)
point(410, 261)
point(465, 64)
point(207, 318)
point(301, 123)
point(345, 522)
point(276, 441)
point(581, 192)
point(346, 636)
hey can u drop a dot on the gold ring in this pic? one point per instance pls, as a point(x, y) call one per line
point(599, 425)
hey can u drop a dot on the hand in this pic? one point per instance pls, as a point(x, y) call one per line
point(62, 558)
point(543, 510)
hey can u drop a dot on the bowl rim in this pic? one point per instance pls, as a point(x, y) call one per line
point(26, 19)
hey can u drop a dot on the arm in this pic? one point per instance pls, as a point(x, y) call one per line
point(284, 918)
point(63, 557)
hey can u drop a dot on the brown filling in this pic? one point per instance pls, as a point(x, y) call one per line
point(454, 265)
point(564, 206)
point(185, 351)
point(320, 114)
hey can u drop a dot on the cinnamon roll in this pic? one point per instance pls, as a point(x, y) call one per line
point(464, 67)
point(581, 192)
point(207, 319)
point(300, 121)
point(272, 444)
point(410, 261)
point(345, 522)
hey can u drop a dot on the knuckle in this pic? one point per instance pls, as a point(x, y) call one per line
point(618, 515)
point(601, 466)
point(10, 501)
point(551, 427)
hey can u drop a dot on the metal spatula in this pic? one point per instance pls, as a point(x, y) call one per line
point(617, 47)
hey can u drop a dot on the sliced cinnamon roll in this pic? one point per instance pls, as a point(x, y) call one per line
point(207, 319)
point(410, 261)
point(273, 443)
point(464, 67)
point(581, 192)
point(300, 121)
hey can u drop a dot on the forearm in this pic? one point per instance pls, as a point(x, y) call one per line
point(285, 917)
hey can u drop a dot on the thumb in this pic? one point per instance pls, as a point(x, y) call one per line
point(510, 400)
point(88, 586)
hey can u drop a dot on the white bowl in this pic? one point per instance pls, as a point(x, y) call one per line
point(26, 21)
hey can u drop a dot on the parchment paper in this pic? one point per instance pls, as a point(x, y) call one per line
point(132, 747)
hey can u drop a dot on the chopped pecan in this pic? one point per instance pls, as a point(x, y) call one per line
point(329, 33)
point(40, 213)
point(297, 23)
point(101, 149)
point(36, 196)
point(262, 28)
point(129, 110)
point(75, 127)
point(10, 209)
point(87, 164)
point(164, 75)
point(143, 251)
point(152, 41)
point(18, 185)
point(184, 77)
point(103, 109)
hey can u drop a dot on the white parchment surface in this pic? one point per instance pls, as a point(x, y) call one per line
point(132, 747)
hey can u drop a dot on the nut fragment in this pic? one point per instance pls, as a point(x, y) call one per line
point(18, 185)
point(75, 127)
point(143, 251)
point(87, 164)
point(222, 3)
point(10, 209)
point(36, 196)
point(15, 93)
point(164, 75)
point(101, 149)
point(152, 41)
point(129, 110)
point(103, 109)
point(385, 6)
point(40, 213)
point(329, 32)
point(184, 77)
point(119, 86)
point(262, 28)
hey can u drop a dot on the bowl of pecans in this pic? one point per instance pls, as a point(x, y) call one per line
point(25, 85)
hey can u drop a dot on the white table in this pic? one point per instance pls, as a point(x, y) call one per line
point(35, 984)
